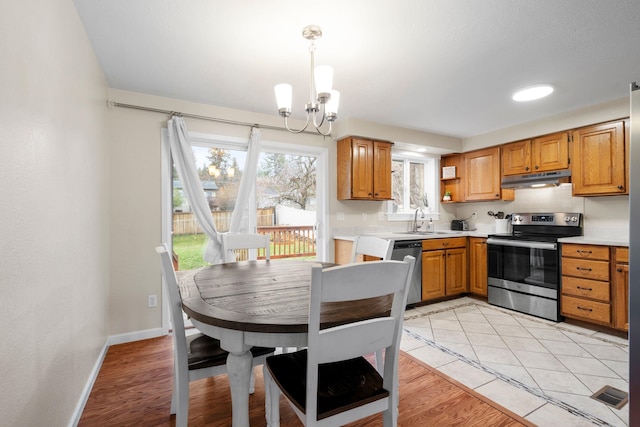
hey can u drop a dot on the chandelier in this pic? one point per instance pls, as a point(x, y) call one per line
point(323, 101)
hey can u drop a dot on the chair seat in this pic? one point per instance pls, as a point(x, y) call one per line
point(205, 352)
point(341, 385)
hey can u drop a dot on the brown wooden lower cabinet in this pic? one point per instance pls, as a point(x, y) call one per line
point(444, 267)
point(585, 309)
point(343, 250)
point(595, 284)
point(621, 288)
point(478, 266)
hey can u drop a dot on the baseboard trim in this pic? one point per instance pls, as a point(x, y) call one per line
point(136, 336)
point(86, 391)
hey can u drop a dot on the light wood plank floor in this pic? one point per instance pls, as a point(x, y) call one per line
point(133, 388)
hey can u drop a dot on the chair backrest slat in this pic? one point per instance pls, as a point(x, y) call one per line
point(371, 246)
point(355, 339)
point(234, 241)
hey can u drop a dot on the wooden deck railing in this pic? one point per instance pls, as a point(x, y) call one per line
point(286, 242)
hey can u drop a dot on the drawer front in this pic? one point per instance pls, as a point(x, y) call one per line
point(622, 255)
point(585, 251)
point(595, 270)
point(585, 309)
point(446, 243)
point(586, 288)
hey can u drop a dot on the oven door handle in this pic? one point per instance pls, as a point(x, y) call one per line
point(523, 244)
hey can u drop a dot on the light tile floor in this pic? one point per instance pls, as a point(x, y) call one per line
point(541, 370)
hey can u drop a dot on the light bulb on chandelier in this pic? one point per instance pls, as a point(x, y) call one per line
point(322, 98)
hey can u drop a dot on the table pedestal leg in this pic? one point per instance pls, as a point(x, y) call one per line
point(239, 367)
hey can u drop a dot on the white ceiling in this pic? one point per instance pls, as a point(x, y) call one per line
point(442, 66)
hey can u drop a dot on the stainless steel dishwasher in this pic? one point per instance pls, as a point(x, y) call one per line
point(402, 248)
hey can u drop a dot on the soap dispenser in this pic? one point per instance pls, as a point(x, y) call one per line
point(430, 225)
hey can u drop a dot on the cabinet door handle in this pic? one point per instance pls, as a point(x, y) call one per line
point(584, 289)
point(581, 251)
point(620, 187)
point(584, 308)
point(445, 244)
point(537, 167)
point(583, 269)
point(526, 168)
point(370, 194)
point(619, 270)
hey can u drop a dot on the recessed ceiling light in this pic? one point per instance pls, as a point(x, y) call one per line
point(531, 93)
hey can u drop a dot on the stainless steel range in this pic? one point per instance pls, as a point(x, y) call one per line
point(524, 266)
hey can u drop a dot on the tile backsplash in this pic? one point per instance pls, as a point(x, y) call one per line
point(604, 217)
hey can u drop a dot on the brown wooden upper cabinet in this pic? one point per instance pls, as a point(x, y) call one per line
point(599, 161)
point(542, 154)
point(364, 169)
point(483, 176)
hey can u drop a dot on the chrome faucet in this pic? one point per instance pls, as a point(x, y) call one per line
point(415, 219)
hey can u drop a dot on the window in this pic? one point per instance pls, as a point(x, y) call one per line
point(413, 185)
point(287, 203)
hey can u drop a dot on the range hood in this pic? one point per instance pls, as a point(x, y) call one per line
point(541, 179)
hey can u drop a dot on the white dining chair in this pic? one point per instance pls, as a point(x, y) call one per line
point(373, 247)
point(195, 356)
point(234, 241)
point(330, 383)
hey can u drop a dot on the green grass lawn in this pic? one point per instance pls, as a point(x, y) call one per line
point(189, 248)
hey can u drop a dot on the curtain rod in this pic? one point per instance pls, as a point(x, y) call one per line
point(112, 104)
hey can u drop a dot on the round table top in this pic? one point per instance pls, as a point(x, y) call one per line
point(263, 296)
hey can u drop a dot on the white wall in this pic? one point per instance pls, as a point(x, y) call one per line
point(54, 223)
point(617, 109)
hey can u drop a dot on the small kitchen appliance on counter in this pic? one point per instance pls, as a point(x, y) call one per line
point(467, 224)
point(524, 266)
point(458, 224)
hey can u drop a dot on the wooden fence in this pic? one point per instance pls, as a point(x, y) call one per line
point(186, 223)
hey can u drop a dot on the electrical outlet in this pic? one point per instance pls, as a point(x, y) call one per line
point(364, 216)
point(152, 301)
point(380, 216)
point(339, 216)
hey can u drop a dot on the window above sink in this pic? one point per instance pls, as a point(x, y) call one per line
point(413, 182)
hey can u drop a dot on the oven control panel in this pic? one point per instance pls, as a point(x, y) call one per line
point(558, 218)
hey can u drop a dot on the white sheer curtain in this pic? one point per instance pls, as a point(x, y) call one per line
point(183, 160)
point(240, 216)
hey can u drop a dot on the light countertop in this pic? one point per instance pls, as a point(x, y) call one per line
point(443, 234)
point(589, 240)
point(400, 235)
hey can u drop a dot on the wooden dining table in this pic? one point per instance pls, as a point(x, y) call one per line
point(259, 303)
